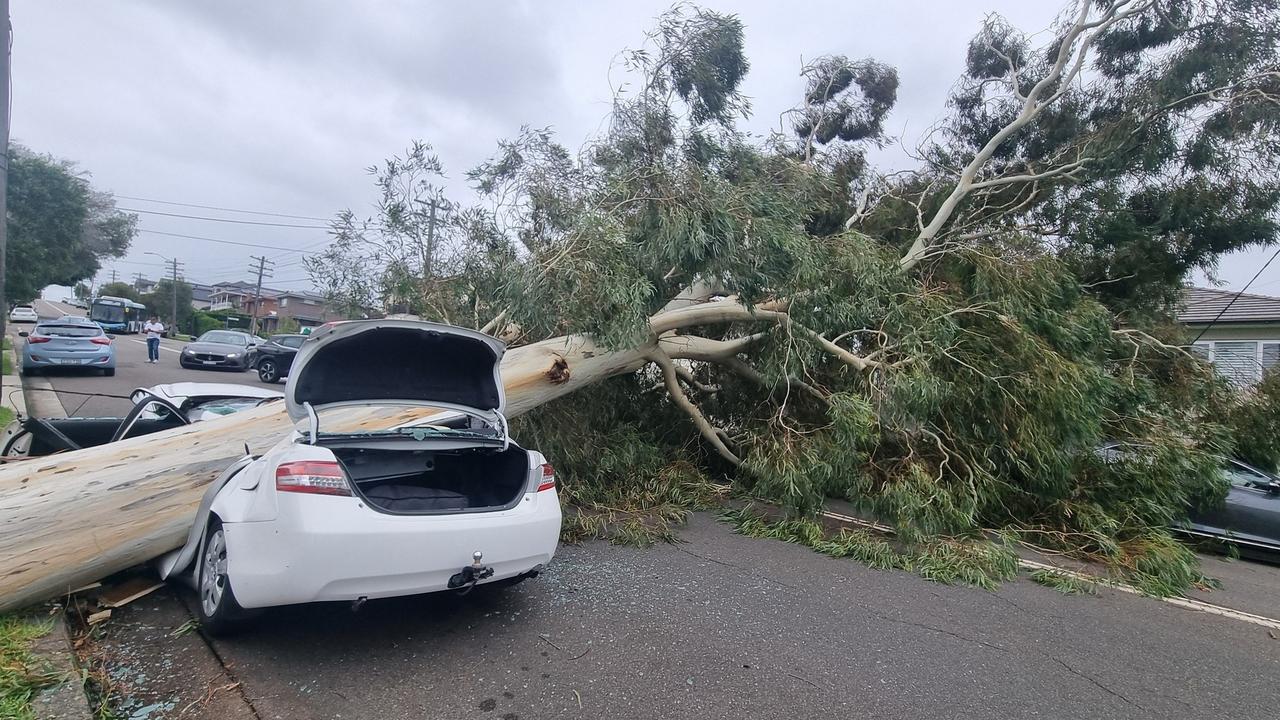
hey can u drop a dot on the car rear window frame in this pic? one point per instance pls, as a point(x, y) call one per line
point(86, 330)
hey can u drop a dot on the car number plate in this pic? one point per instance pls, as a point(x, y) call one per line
point(209, 362)
point(69, 361)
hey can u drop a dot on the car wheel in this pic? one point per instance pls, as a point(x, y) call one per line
point(268, 372)
point(30, 371)
point(218, 610)
point(108, 372)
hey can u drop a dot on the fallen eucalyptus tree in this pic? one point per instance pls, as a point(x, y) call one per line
point(938, 345)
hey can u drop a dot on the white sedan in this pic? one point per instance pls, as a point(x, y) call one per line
point(335, 512)
point(23, 313)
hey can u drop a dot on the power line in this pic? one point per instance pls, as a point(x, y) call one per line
point(1236, 297)
point(224, 209)
point(224, 220)
point(225, 242)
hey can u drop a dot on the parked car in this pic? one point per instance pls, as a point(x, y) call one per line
point(23, 314)
point(54, 343)
point(1250, 517)
point(275, 356)
point(79, 303)
point(157, 408)
point(228, 349)
point(329, 513)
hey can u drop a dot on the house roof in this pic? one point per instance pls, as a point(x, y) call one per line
point(1204, 305)
point(303, 294)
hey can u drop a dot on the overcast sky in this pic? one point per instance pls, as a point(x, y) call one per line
point(279, 106)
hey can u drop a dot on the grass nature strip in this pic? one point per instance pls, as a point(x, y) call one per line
point(22, 674)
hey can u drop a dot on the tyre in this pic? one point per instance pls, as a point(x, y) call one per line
point(217, 607)
point(268, 372)
point(30, 371)
point(108, 372)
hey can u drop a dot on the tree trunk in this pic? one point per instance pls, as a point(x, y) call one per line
point(73, 518)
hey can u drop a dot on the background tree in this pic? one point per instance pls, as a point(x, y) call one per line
point(59, 226)
point(160, 302)
point(122, 290)
point(938, 357)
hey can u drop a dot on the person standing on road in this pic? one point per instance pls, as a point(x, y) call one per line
point(154, 329)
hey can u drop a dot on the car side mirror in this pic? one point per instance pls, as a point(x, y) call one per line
point(24, 333)
point(110, 336)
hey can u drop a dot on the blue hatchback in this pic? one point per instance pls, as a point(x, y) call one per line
point(65, 343)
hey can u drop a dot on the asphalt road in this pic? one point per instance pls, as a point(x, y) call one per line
point(76, 386)
point(719, 626)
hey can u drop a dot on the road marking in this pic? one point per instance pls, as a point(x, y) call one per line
point(162, 346)
point(1182, 602)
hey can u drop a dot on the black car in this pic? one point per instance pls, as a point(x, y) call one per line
point(226, 349)
point(1250, 518)
point(275, 356)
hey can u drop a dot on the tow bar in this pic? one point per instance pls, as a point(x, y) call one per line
point(470, 575)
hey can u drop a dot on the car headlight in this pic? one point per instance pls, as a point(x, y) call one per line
point(188, 351)
point(231, 355)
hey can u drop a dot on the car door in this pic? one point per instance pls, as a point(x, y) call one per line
point(286, 352)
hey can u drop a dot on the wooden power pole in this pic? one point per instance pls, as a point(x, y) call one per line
point(261, 269)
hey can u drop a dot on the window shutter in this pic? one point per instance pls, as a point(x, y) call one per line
point(1202, 350)
point(1237, 361)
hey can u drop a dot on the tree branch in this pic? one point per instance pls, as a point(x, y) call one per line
point(709, 432)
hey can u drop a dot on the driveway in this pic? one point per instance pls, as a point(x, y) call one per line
point(719, 626)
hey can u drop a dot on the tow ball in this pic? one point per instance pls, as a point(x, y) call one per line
point(470, 575)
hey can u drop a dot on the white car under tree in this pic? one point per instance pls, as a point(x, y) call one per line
point(444, 503)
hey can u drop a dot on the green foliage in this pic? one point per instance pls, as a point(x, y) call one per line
point(1174, 117)
point(22, 675)
point(1255, 423)
point(59, 226)
point(160, 302)
point(1064, 583)
point(971, 561)
point(615, 472)
point(121, 290)
point(967, 395)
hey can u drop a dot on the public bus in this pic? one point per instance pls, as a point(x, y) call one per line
point(117, 314)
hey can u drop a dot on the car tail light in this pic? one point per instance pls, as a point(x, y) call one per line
point(548, 478)
point(100, 340)
point(36, 339)
point(316, 477)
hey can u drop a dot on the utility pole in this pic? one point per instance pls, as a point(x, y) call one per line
point(174, 265)
point(261, 269)
point(5, 111)
point(113, 275)
point(173, 293)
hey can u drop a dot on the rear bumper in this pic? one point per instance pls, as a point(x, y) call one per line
point(58, 359)
point(346, 551)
